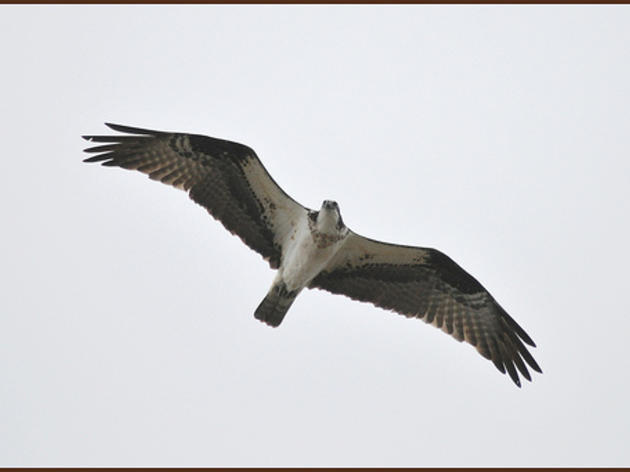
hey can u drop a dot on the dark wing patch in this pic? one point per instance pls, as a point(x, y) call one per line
point(451, 273)
point(432, 287)
point(225, 177)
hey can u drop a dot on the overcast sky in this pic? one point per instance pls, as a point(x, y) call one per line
point(496, 134)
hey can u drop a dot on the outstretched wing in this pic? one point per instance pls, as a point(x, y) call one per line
point(425, 283)
point(225, 177)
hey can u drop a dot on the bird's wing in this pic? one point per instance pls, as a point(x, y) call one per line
point(225, 177)
point(427, 284)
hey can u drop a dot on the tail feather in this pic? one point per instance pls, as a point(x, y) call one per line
point(275, 305)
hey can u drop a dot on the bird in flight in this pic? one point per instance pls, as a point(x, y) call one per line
point(314, 248)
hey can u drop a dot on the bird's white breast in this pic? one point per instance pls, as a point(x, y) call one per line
point(302, 258)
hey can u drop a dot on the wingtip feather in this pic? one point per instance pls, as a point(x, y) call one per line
point(527, 339)
point(511, 322)
point(499, 365)
point(115, 126)
point(512, 373)
point(534, 365)
point(132, 129)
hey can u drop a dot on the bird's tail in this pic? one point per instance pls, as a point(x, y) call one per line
point(275, 305)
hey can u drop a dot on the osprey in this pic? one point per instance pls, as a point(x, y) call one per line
point(314, 248)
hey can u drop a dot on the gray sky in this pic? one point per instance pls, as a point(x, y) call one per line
point(497, 134)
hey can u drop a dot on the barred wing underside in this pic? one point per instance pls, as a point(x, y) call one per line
point(225, 177)
point(425, 283)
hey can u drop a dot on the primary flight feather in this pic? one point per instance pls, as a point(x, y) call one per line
point(315, 249)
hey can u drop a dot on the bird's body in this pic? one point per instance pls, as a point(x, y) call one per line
point(315, 249)
point(315, 239)
point(311, 246)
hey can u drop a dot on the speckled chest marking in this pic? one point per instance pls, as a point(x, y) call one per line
point(323, 240)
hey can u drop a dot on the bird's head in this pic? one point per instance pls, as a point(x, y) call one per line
point(330, 205)
point(329, 217)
